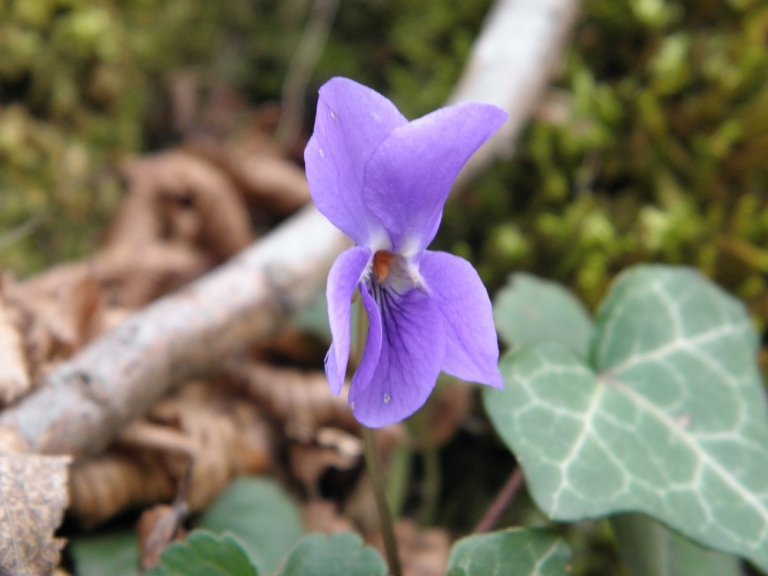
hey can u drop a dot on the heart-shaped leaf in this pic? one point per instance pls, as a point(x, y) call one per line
point(531, 311)
point(669, 419)
point(342, 553)
point(116, 554)
point(521, 551)
point(203, 554)
point(260, 515)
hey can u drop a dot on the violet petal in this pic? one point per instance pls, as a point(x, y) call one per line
point(472, 349)
point(343, 278)
point(411, 173)
point(352, 120)
point(412, 353)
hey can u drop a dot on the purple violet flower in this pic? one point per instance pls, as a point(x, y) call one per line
point(383, 181)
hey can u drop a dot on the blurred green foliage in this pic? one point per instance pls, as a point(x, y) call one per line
point(78, 80)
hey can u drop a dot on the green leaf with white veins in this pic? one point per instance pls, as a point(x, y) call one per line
point(520, 551)
point(531, 310)
point(670, 419)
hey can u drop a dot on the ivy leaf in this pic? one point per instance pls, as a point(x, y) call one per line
point(342, 553)
point(669, 419)
point(650, 549)
point(203, 554)
point(531, 311)
point(261, 516)
point(116, 554)
point(520, 551)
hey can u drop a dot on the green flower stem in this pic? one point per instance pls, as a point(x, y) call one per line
point(398, 476)
point(374, 466)
point(432, 472)
point(385, 518)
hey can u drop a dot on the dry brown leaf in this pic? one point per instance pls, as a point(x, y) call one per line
point(300, 400)
point(267, 180)
point(33, 495)
point(219, 435)
point(229, 436)
point(179, 197)
point(103, 486)
point(57, 312)
point(324, 516)
point(14, 378)
point(132, 278)
point(422, 552)
point(310, 462)
point(158, 527)
point(293, 347)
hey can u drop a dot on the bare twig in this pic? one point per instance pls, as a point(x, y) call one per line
point(511, 63)
point(82, 405)
point(303, 62)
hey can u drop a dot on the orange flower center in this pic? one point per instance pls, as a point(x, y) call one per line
point(381, 261)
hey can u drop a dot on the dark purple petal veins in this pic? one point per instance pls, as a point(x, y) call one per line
point(412, 351)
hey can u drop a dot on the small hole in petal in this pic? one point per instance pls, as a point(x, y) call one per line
point(333, 115)
point(387, 398)
point(322, 154)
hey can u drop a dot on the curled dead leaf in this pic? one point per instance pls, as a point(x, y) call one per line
point(217, 434)
point(300, 400)
point(178, 197)
point(158, 527)
point(132, 278)
point(310, 462)
point(56, 313)
point(14, 377)
point(101, 487)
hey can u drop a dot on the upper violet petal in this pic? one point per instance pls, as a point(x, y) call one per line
point(411, 173)
point(472, 349)
point(343, 278)
point(411, 356)
point(352, 120)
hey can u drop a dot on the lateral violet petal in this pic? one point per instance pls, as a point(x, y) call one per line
point(352, 120)
point(412, 353)
point(411, 173)
point(372, 348)
point(472, 349)
point(343, 278)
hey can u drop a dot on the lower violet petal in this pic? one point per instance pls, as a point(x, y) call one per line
point(412, 354)
point(343, 278)
point(472, 349)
